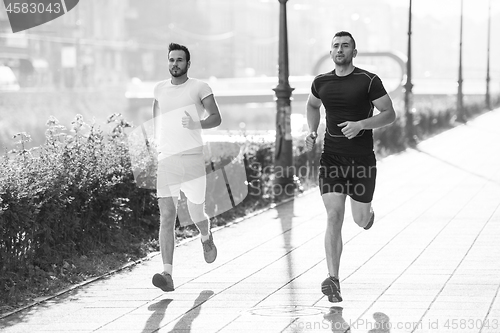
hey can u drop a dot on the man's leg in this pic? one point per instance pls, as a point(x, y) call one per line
point(168, 213)
point(361, 212)
point(363, 190)
point(194, 187)
point(201, 220)
point(199, 217)
point(335, 208)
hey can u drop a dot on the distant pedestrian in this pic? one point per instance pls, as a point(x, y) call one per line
point(178, 109)
point(348, 165)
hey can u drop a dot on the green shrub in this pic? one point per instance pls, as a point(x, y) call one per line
point(71, 196)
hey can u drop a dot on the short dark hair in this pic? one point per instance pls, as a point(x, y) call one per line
point(344, 34)
point(179, 47)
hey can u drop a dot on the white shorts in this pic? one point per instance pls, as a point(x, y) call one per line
point(184, 173)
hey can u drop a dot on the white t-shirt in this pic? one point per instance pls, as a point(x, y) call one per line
point(173, 100)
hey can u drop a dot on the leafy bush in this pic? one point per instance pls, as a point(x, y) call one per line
point(71, 196)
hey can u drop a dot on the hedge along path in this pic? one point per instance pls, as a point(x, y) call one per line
point(131, 265)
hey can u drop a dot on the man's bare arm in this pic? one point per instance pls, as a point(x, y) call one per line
point(313, 118)
point(214, 118)
point(155, 110)
point(386, 116)
point(313, 113)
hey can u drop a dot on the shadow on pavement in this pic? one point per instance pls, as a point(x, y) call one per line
point(335, 320)
point(185, 322)
point(19, 316)
point(285, 215)
point(339, 325)
point(154, 321)
point(24, 314)
point(382, 323)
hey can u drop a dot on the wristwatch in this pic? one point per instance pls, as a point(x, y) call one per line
point(313, 135)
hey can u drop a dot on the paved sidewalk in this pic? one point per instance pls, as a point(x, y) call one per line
point(431, 262)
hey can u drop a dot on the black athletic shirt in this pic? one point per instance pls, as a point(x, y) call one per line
point(347, 98)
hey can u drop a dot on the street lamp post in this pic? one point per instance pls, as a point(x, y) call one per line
point(408, 88)
point(283, 158)
point(488, 100)
point(460, 96)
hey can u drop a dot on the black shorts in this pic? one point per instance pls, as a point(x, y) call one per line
point(351, 175)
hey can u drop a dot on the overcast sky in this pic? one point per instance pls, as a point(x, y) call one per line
point(473, 9)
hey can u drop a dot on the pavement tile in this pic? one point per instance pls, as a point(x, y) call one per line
point(257, 324)
point(395, 304)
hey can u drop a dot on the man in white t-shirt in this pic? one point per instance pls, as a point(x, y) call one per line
point(180, 113)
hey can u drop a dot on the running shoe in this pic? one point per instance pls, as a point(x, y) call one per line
point(331, 288)
point(163, 281)
point(209, 250)
point(370, 223)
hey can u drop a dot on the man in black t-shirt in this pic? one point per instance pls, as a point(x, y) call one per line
point(348, 166)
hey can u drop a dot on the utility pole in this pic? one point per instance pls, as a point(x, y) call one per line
point(488, 99)
point(408, 89)
point(460, 96)
point(283, 158)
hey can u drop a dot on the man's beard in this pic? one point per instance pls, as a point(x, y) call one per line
point(179, 73)
point(342, 61)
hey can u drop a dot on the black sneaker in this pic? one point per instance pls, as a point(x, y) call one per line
point(331, 288)
point(163, 281)
point(209, 249)
point(370, 223)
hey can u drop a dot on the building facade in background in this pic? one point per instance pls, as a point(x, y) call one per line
point(84, 48)
point(107, 43)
